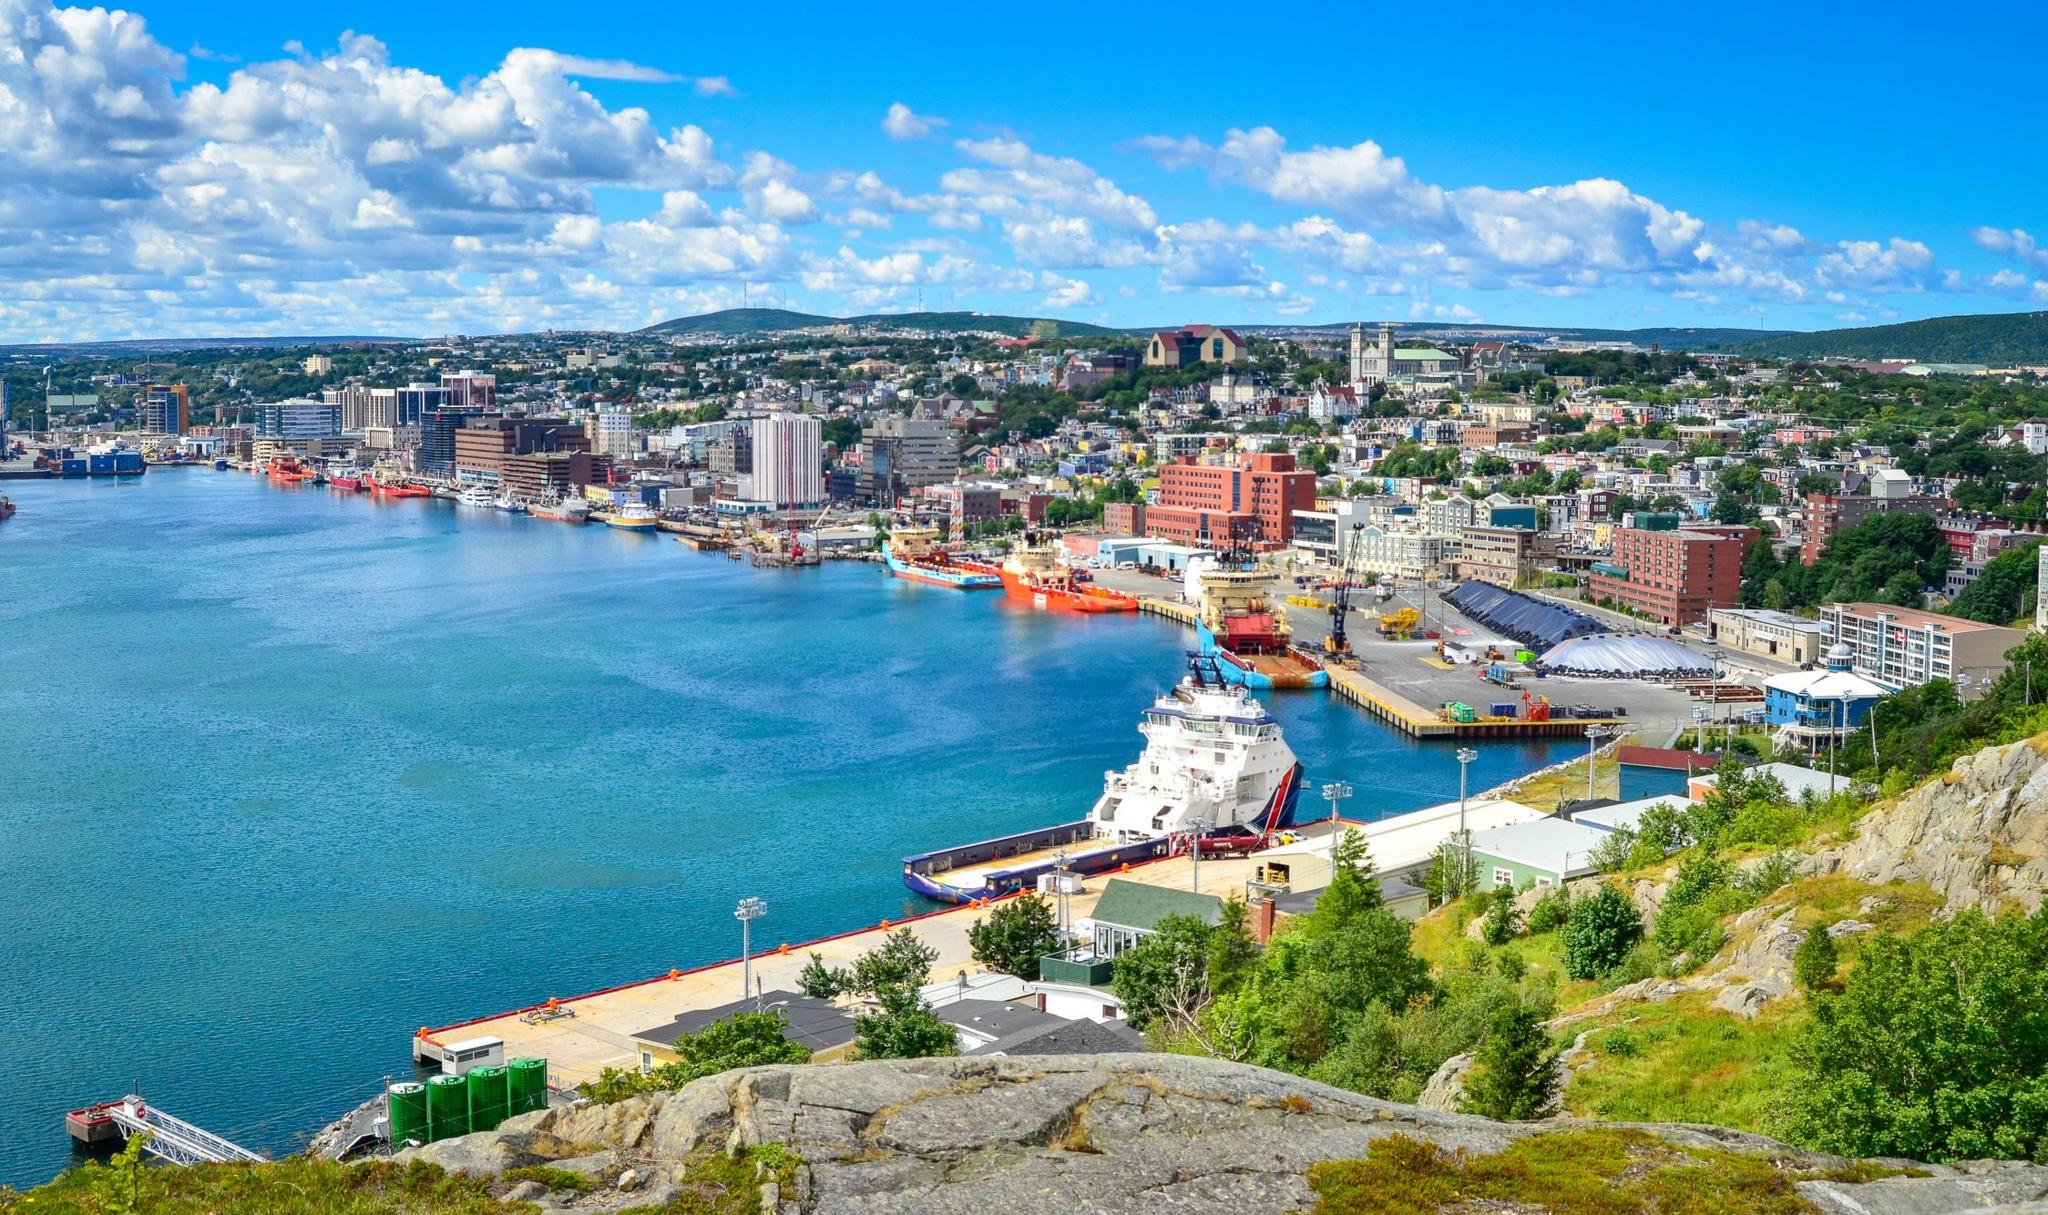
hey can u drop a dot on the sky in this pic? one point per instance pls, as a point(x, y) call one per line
point(232, 168)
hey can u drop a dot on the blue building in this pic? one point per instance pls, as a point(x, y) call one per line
point(1819, 703)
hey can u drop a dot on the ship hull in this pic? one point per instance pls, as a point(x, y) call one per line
point(959, 579)
point(1287, 668)
point(1055, 599)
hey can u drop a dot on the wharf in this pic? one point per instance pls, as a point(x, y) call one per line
point(582, 1035)
point(1420, 722)
point(1182, 612)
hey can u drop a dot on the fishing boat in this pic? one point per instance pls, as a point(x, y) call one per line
point(1244, 627)
point(507, 503)
point(564, 510)
point(1216, 775)
point(1034, 574)
point(632, 517)
point(914, 553)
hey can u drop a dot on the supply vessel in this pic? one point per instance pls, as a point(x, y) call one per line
point(914, 553)
point(1034, 574)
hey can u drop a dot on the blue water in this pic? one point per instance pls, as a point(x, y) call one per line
point(285, 773)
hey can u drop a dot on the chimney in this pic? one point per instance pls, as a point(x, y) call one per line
point(1262, 920)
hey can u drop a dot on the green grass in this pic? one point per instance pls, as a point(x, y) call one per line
point(1682, 1061)
point(1588, 1172)
point(549, 1176)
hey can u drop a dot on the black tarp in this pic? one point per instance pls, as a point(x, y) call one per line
point(1536, 623)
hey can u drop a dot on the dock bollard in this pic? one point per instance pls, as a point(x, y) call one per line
point(885, 925)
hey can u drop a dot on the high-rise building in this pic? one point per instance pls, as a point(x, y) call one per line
point(298, 420)
point(611, 433)
point(900, 455)
point(166, 409)
point(1200, 504)
point(416, 400)
point(471, 390)
point(437, 438)
point(789, 461)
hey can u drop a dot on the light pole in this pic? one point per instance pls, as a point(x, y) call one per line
point(1713, 691)
point(746, 913)
point(1334, 792)
point(1195, 855)
point(1465, 757)
point(1593, 736)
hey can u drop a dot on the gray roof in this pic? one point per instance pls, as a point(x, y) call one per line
point(817, 1024)
point(995, 1018)
point(1068, 1038)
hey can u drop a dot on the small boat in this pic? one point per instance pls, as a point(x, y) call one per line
point(6, 506)
point(476, 496)
point(509, 504)
point(220, 466)
point(632, 517)
point(565, 510)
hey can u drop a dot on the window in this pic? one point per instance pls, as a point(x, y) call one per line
point(1504, 877)
point(646, 1062)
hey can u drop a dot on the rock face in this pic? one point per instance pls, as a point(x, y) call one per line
point(1103, 1134)
point(1978, 835)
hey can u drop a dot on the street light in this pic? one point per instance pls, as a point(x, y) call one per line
point(1196, 827)
point(746, 913)
point(1465, 757)
point(1713, 691)
point(1593, 736)
point(1334, 792)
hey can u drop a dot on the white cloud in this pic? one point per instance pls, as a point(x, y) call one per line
point(902, 122)
point(714, 86)
point(2016, 243)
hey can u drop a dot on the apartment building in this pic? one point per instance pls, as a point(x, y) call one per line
point(1673, 575)
point(1828, 515)
point(1503, 555)
point(1905, 647)
point(1199, 504)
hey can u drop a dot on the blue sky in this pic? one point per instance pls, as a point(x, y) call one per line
point(378, 167)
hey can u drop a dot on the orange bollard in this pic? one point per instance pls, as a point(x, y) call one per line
point(885, 925)
point(784, 948)
point(675, 974)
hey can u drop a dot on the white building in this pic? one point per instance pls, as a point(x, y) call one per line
point(1383, 364)
point(789, 461)
point(318, 364)
point(611, 433)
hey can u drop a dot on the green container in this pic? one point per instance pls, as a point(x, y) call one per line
point(447, 1107)
point(529, 1085)
point(1525, 657)
point(489, 1091)
point(408, 1113)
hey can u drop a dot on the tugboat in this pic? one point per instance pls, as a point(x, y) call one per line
point(1241, 625)
point(914, 553)
point(1033, 574)
point(1216, 774)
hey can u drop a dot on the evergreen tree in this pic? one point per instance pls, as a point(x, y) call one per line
point(1813, 963)
point(1601, 931)
point(1514, 1071)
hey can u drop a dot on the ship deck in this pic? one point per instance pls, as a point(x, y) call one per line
point(973, 877)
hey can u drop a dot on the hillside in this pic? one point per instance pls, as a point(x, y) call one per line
point(1666, 338)
point(1995, 339)
point(733, 321)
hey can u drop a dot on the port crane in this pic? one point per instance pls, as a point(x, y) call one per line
point(1335, 644)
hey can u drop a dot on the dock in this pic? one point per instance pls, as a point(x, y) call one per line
point(1416, 721)
point(1181, 612)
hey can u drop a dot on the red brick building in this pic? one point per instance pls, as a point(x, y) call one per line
point(1123, 518)
point(1675, 576)
point(1199, 503)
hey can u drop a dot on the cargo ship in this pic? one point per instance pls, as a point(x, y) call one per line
point(914, 553)
point(1216, 774)
point(1246, 631)
point(567, 510)
point(1034, 575)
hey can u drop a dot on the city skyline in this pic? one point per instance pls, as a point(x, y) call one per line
point(244, 170)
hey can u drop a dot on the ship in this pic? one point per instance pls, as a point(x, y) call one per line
point(349, 478)
point(1244, 628)
point(913, 553)
point(6, 506)
point(565, 510)
point(507, 503)
point(632, 517)
point(475, 495)
point(1034, 575)
point(396, 489)
point(1216, 775)
point(287, 470)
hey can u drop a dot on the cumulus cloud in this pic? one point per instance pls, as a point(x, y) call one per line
point(2016, 243)
point(901, 122)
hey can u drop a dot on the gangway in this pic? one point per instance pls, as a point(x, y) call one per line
point(170, 1138)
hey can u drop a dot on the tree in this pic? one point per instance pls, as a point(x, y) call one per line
point(1936, 1048)
point(893, 974)
point(1813, 963)
point(819, 981)
point(1165, 975)
point(1514, 1071)
point(1601, 931)
point(1552, 911)
point(1015, 936)
point(2003, 591)
point(1502, 920)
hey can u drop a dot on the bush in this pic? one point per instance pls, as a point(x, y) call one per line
point(1551, 911)
point(1502, 922)
point(1814, 962)
point(1601, 931)
point(1620, 1043)
point(741, 1040)
point(1015, 936)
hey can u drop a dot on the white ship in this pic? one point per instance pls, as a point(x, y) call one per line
point(475, 495)
point(1215, 769)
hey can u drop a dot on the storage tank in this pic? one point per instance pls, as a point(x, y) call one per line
point(447, 1107)
point(488, 1091)
point(408, 1112)
point(529, 1085)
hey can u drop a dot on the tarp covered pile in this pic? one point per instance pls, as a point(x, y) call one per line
point(1531, 621)
point(1624, 655)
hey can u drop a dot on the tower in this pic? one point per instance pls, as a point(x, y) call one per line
point(1357, 352)
point(1386, 350)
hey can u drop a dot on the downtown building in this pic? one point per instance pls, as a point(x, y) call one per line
point(534, 459)
point(788, 468)
point(1201, 504)
point(901, 455)
point(1673, 575)
point(166, 409)
point(471, 390)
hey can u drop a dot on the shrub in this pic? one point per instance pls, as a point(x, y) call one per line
point(1620, 1043)
point(1814, 962)
point(1502, 920)
point(1601, 931)
point(1551, 911)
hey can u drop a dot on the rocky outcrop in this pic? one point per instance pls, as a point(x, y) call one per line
point(1978, 834)
point(1104, 1134)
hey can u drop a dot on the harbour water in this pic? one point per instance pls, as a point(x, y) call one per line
point(286, 772)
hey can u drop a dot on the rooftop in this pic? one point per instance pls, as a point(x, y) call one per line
point(1914, 617)
point(817, 1024)
point(1129, 904)
point(1556, 844)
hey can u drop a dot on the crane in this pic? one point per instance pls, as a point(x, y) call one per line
point(1335, 644)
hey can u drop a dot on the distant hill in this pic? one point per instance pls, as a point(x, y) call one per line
point(115, 349)
point(1668, 338)
point(732, 321)
point(1998, 339)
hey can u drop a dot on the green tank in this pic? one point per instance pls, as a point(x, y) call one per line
point(489, 1090)
point(529, 1085)
point(408, 1113)
point(447, 1107)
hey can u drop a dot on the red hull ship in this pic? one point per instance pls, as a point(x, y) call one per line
point(287, 470)
point(1034, 575)
point(384, 490)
